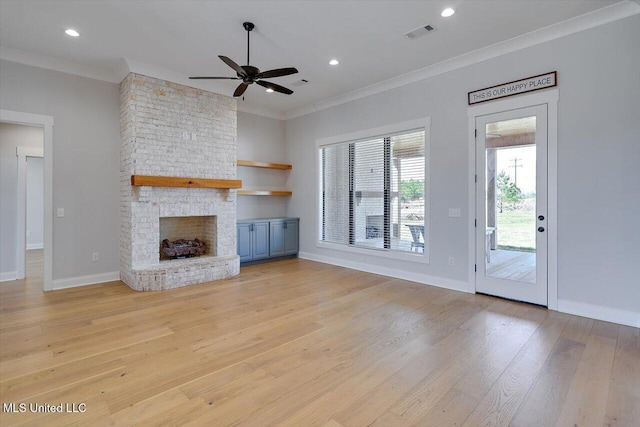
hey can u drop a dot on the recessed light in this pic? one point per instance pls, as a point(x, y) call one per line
point(447, 12)
point(269, 90)
point(334, 62)
point(71, 32)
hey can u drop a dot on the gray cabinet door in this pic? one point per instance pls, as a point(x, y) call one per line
point(245, 242)
point(276, 238)
point(291, 237)
point(260, 240)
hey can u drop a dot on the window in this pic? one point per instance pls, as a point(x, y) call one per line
point(373, 192)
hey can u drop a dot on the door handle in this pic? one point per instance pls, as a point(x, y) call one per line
point(541, 217)
point(541, 229)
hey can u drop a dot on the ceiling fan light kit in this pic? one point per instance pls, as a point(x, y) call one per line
point(249, 74)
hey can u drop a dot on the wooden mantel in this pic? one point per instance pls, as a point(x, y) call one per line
point(172, 181)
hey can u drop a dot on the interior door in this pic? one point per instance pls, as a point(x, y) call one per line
point(511, 204)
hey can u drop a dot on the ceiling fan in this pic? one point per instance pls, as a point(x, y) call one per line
point(249, 74)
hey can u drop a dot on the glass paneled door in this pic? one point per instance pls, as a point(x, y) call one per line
point(511, 204)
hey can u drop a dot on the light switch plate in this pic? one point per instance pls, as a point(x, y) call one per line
point(60, 212)
point(454, 212)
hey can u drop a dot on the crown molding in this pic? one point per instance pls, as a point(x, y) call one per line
point(55, 64)
point(119, 72)
point(261, 111)
point(561, 29)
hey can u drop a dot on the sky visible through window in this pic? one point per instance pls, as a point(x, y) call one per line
point(525, 164)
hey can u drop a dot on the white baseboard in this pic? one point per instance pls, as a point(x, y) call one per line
point(608, 314)
point(91, 279)
point(31, 246)
point(440, 282)
point(9, 275)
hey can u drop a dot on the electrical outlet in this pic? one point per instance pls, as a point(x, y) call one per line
point(60, 212)
point(452, 260)
point(194, 137)
point(28, 233)
point(454, 212)
point(185, 135)
point(95, 257)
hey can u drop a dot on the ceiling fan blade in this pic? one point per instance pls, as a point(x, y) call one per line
point(279, 72)
point(240, 89)
point(214, 78)
point(233, 65)
point(275, 87)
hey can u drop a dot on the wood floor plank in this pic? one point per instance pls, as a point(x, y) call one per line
point(301, 343)
point(145, 410)
point(46, 381)
point(623, 403)
point(342, 398)
point(587, 398)
point(452, 410)
point(550, 388)
point(578, 329)
point(24, 363)
point(332, 423)
point(417, 388)
point(500, 403)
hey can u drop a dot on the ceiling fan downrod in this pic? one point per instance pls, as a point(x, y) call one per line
point(248, 26)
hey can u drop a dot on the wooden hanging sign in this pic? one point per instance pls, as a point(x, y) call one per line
point(517, 87)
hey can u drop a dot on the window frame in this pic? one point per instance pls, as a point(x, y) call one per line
point(368, 134)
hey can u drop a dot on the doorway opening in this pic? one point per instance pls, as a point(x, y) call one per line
point(22, 223)
point(511, 204)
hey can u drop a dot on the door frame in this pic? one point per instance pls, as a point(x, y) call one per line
point(549, 97)
point(46, 122)
point(523, 290)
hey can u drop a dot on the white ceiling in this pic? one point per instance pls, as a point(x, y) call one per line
point(183, 38)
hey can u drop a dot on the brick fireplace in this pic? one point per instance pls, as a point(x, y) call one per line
point(171, 130)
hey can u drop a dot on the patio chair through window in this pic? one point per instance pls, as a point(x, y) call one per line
point(416, 231)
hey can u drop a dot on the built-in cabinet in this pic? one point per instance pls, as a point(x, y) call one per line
point(262, 239)
point(253, 241)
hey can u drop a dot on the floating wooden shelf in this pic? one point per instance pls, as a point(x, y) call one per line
point(267, 165)
point(264, 193)
point(171, 181)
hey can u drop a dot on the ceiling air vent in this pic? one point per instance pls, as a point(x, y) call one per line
point(419, 32)
point(300, 82)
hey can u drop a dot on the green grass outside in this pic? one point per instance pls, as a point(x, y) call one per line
point(517, 231)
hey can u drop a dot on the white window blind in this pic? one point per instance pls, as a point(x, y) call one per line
point(373, 193)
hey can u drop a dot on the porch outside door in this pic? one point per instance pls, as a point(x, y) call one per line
point(511, 204)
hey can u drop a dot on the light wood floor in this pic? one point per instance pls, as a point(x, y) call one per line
point(34, 264)
point(298, 343)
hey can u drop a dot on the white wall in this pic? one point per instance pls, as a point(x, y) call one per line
point(35, 202)
point(261, 139)
point(598, 156)
point(86, 146)
point(12, 136)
